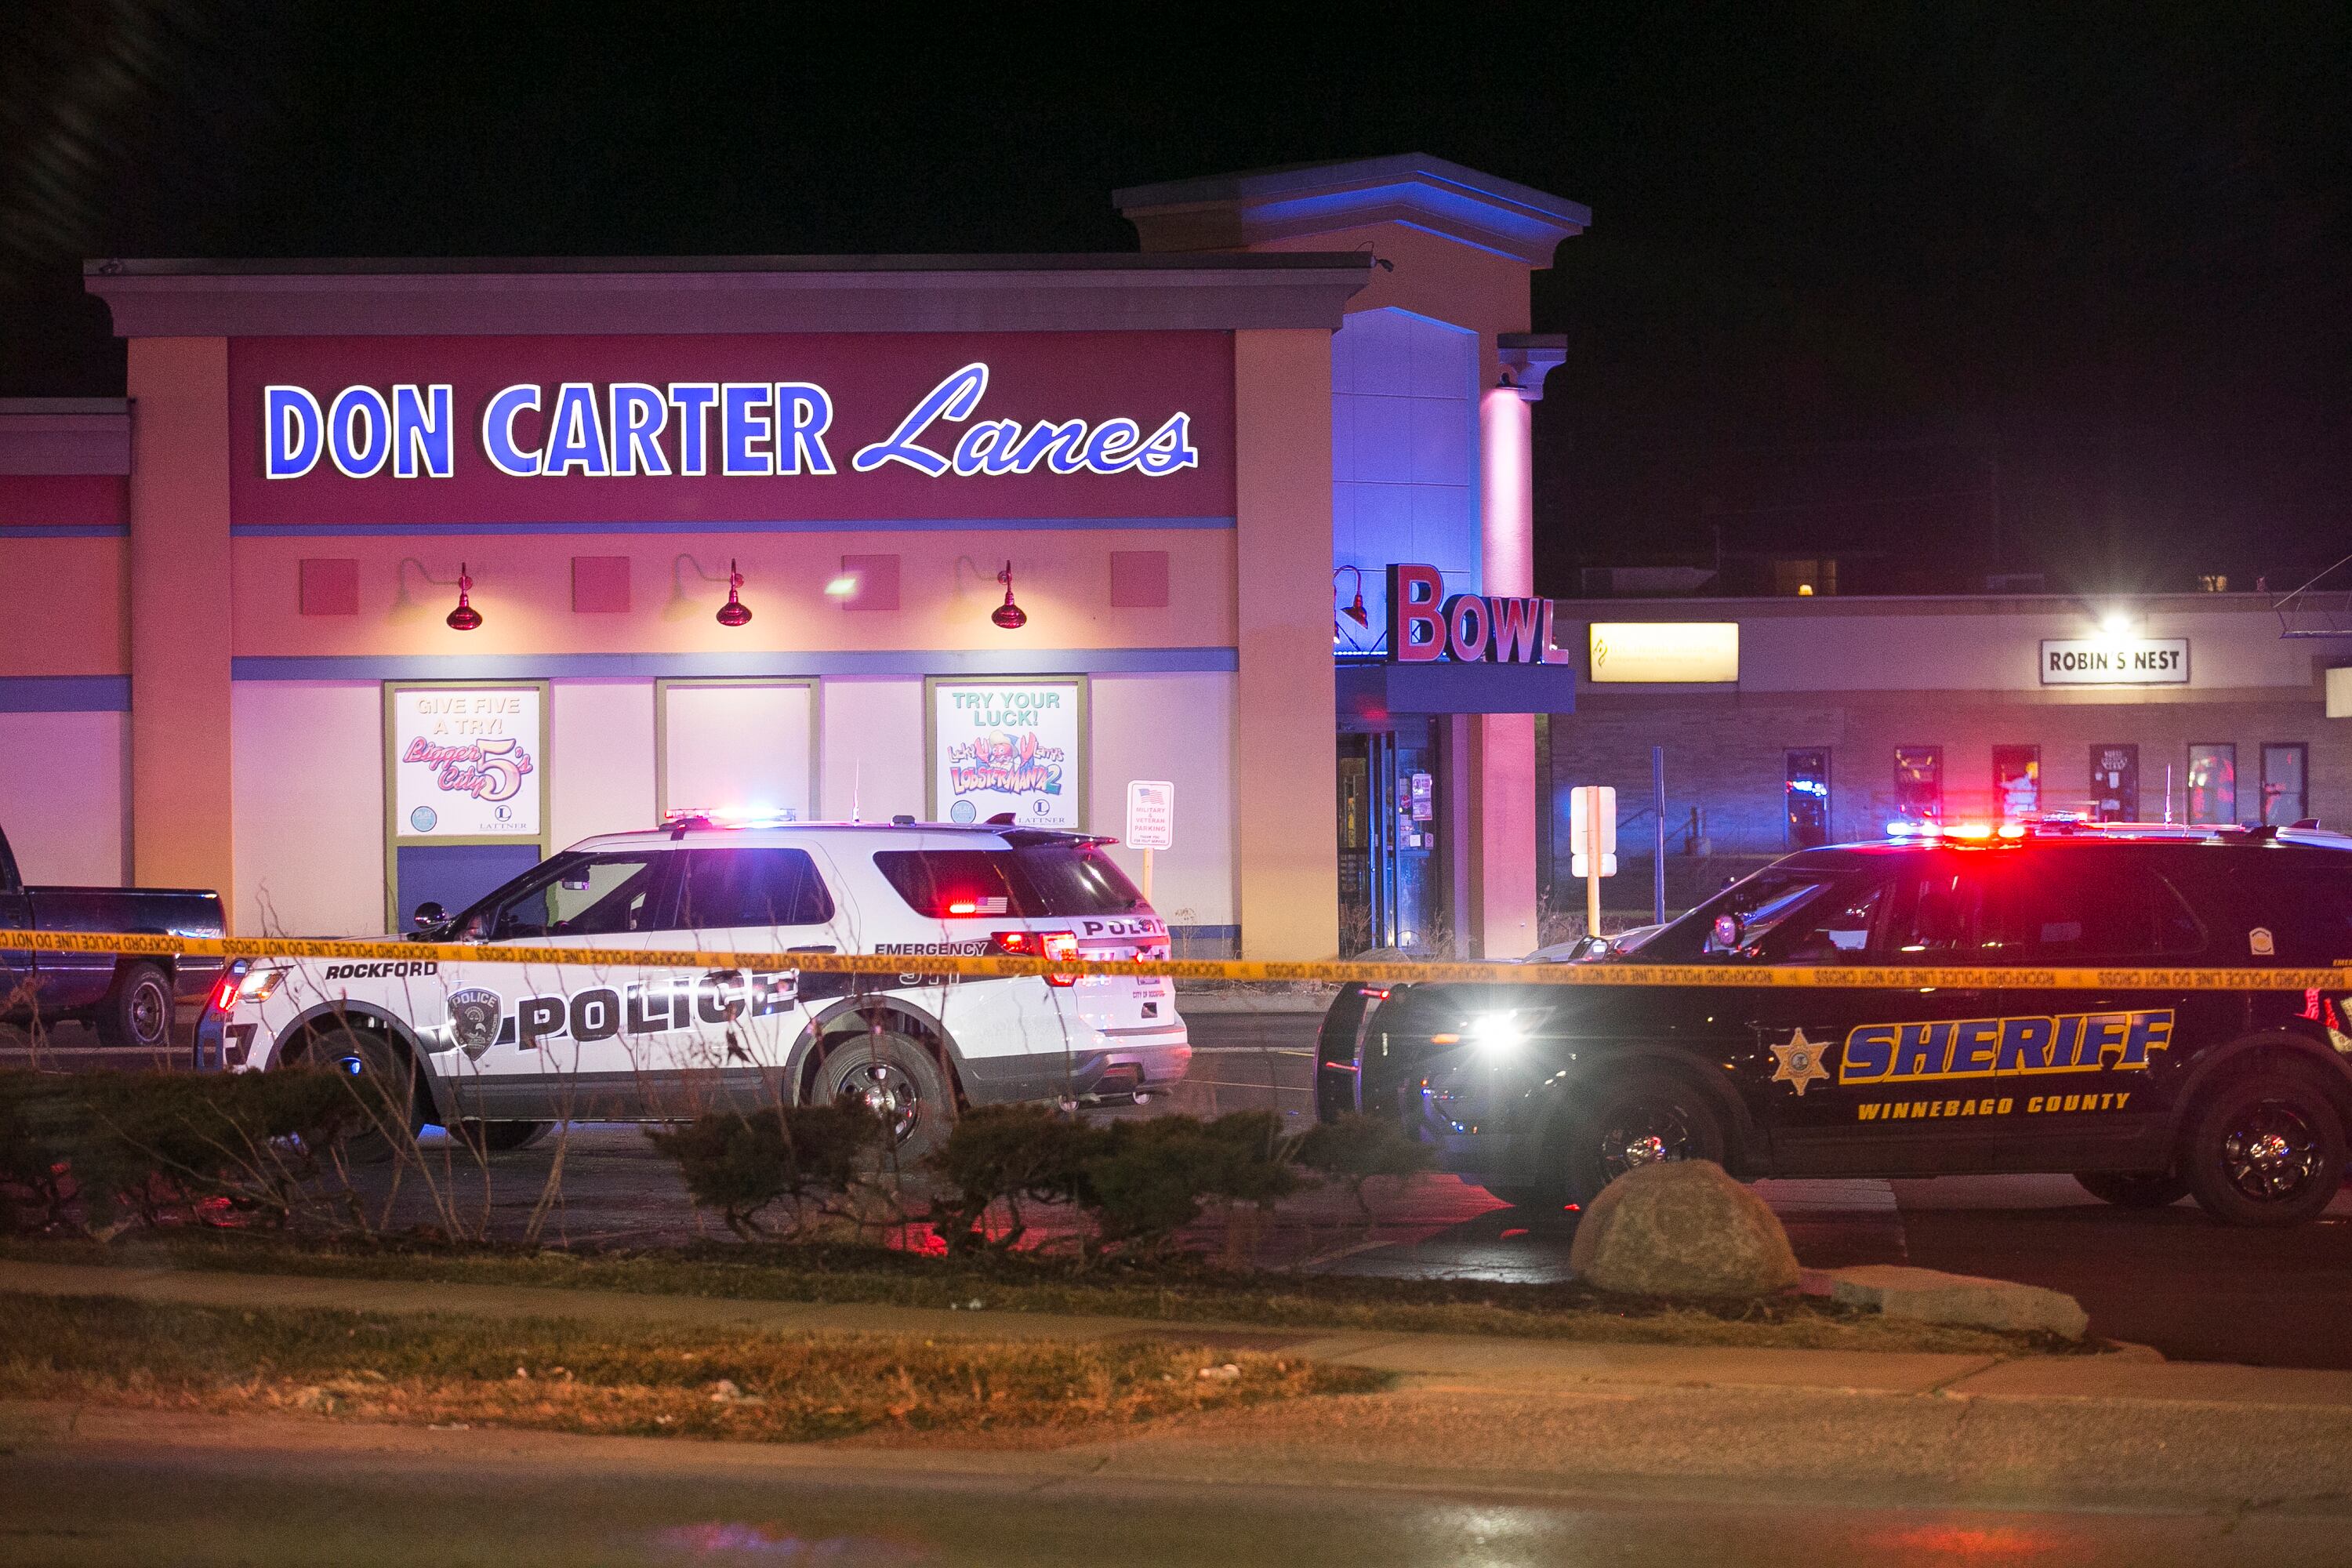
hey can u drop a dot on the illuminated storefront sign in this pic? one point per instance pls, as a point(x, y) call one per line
point(1425, 627)
point(2114, 661)
point(1678, 653)
point(739, 429)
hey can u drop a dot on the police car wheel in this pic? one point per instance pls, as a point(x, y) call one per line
point(502, 1137)
point(2265, 1150)
point(899, 1082)
point(1645, 1118)
point(137, 1013)
point(381, 1082)
point(2133, 1189)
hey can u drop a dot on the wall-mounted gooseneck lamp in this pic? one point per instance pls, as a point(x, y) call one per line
point(1355, 610)
point(1008, 614)
point(465, 617)
point(734, 612)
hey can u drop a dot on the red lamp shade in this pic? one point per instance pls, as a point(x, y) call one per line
point(734, 612)
point(1356, 611)
point(1008, 614)
point(465, 617)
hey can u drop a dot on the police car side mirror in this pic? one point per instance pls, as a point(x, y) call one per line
point(428, 913)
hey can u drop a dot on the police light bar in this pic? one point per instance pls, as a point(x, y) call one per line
point(1966, 832)
point(730, 816)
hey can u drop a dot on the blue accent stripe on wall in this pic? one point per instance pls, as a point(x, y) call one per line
point(648, 666)
point(65, 694)
point(65, 531)
point(902, 525)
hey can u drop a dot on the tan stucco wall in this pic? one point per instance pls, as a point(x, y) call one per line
point(1284, 745)
point(180, 594)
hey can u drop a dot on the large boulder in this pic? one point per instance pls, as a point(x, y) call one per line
point(1682, 1228)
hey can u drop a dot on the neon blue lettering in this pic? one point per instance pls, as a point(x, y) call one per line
point(422, 431)
point(692, 399)
point(742, 421)
point(804, 414)
point(497, 431)
point(575, 437)
point(953, 398)
point(1169, 449)
point(295, 432)
point(638, 415)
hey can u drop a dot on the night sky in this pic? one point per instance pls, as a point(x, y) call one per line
point(1943, 290)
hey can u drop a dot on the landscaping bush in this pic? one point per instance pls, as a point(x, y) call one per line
point(1355, 1150)
point(102, 1146)
point(799, 1155)
point(1154, 1176)
point(1009, 1155)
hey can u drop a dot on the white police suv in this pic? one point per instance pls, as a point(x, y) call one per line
point(503, 1049)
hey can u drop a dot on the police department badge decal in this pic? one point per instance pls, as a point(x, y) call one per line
point(1801, 1063)
point(474, 1015)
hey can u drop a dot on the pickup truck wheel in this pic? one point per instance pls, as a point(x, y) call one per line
point(137, 1013)
point(2133, 1189)
point(1642, 1118)
point(899, 1080)
point(2265, 1150)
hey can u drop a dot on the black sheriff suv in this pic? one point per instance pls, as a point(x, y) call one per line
point(2144, 1088)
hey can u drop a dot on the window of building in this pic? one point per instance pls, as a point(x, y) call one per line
point(2016, 780)
point(2213, 782)
point(1919, 783)
point(1809, 797)
point(2115, 784)
point(2285, 767)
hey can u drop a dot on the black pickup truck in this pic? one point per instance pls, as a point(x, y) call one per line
point(130, 1001)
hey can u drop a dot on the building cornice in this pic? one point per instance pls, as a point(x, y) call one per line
point(568, 296)
point(65, 435)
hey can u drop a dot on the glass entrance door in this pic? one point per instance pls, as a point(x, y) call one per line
point(1391, 886)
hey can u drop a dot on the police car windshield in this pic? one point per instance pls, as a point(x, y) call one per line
point(1763, 903)
point(1035, 881)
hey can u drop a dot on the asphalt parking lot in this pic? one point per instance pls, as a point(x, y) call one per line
point(2168, 1277)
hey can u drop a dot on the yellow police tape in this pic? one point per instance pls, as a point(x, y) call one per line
point(1722, 975)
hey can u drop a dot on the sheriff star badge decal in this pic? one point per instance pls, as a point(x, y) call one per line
point(1801, 1063)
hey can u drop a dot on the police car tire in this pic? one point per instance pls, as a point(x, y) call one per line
point(137, 1013)
point(371, 1140)
point(2273, 1100)
point(1653, 1098)
point(910, 1064)
point(503, 1137)
point(2133, 1189)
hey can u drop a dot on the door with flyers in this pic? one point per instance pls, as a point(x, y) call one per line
point(1391, 816)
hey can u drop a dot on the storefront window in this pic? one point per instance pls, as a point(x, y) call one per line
point(2213, 782)
point(1919, 783)
point(2115, 784)
point(1809, 797)
point(2016, 780)
point(2284, 768)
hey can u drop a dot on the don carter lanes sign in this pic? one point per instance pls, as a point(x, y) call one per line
point(736, 429)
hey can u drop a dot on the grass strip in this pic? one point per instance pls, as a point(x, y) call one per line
point(1181, 1290)
point(556, 1376)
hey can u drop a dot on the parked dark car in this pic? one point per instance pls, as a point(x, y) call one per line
point(2239, 1097)
point(130, 1000)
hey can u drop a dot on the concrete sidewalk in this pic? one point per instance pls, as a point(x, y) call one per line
point(1525, 1417)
